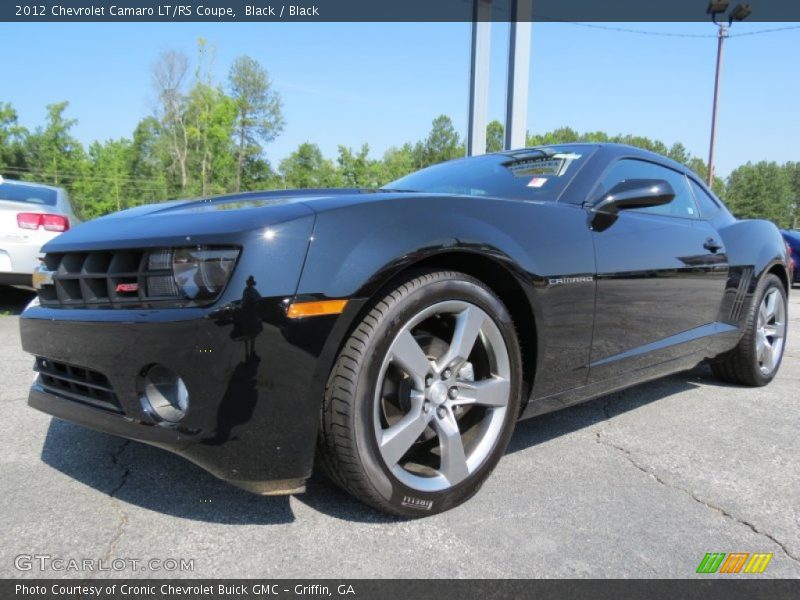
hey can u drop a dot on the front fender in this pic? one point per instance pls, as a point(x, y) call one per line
point(357, 249)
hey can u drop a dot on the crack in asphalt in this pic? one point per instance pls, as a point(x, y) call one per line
point(122, 515)
point(599, 438)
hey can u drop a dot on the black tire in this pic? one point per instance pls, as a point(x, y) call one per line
point(348, 446)
point(741, 365)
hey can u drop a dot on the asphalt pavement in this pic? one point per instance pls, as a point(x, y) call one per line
point(640, 483)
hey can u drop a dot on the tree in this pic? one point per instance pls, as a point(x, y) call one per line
point(107, 186)
point(358, 170)
point(494, 136)
point(793, 174)
point(169, 79)
point(259, 114)
point(678, 153)
point(53, 154)
point(12, 140)
point(761, 191)
point(443, 143)
point(562, 135)
point(149, 162)
point(306, 168)
point(396, 163)
point(210, 118)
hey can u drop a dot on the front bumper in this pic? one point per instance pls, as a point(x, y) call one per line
point(253, 415)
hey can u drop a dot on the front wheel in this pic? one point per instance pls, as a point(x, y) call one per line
point(423, 397)
point(756, 358)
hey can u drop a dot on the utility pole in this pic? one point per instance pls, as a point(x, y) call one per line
point(740, 13)
point(722, 34)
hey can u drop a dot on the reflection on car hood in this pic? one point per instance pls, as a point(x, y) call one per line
point(205, 220)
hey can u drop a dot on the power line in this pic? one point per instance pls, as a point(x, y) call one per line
point(640, 31)
point(81, 176)
point(773, 30)
point(674, 34)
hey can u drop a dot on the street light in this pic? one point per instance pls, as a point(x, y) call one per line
point(740, 13)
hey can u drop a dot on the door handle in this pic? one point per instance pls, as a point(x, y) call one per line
point(712, 245)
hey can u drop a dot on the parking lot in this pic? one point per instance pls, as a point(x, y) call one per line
point(641, 483)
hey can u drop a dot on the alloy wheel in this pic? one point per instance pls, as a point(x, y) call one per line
point(442, 395)
point(770, 331)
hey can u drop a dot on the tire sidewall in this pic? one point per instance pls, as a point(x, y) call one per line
point(403, 499)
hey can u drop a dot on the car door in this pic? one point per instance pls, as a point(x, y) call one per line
point(660, 277)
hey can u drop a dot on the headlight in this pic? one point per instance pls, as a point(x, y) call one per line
point(202, 274)
point(198, 274)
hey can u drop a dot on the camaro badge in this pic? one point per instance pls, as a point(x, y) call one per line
point(566, 280)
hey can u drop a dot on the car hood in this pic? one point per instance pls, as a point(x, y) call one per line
point(207, 220)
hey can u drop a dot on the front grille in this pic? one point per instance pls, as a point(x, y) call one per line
point(118, 279)
point(77, 383)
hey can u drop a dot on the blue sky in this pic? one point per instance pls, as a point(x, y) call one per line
point(383, 83)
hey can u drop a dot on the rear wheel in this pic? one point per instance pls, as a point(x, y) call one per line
point(757, 357)
point(423, 398)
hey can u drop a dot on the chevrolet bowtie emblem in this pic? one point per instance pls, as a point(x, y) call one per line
point(42, 277)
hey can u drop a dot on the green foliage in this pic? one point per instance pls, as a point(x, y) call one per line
point(106, 187)
point(306, 168)
point(204, 139)
point(259, 114)
point(494, 136)
point(443, 143)
point(762, 191)
point(397, 162)
point(12, 140)
point(358, 170)
point(52, 154)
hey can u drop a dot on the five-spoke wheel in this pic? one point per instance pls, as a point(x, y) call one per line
point(436, 395)
point(424, 396)
point(771, 330)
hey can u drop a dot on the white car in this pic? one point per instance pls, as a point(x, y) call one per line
point(31, 214)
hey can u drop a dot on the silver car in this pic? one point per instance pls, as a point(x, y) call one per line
point(31, 214)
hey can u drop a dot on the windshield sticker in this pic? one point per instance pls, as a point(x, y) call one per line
point(537, 182)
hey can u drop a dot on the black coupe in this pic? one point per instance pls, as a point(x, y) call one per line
point(395, 336)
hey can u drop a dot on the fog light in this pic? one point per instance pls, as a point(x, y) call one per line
point(164, 394)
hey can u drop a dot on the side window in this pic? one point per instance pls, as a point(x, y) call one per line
point(681, 206)
point(708, 206)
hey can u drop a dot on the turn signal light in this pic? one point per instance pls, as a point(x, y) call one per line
point(316, 309)
point(47, 221)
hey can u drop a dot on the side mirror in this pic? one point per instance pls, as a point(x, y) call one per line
point(632, 193)
point(635, 193)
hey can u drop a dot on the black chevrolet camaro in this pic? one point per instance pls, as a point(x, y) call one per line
point(395, 336)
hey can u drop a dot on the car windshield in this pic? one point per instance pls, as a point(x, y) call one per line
point(537, 173)
point(32, 194)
